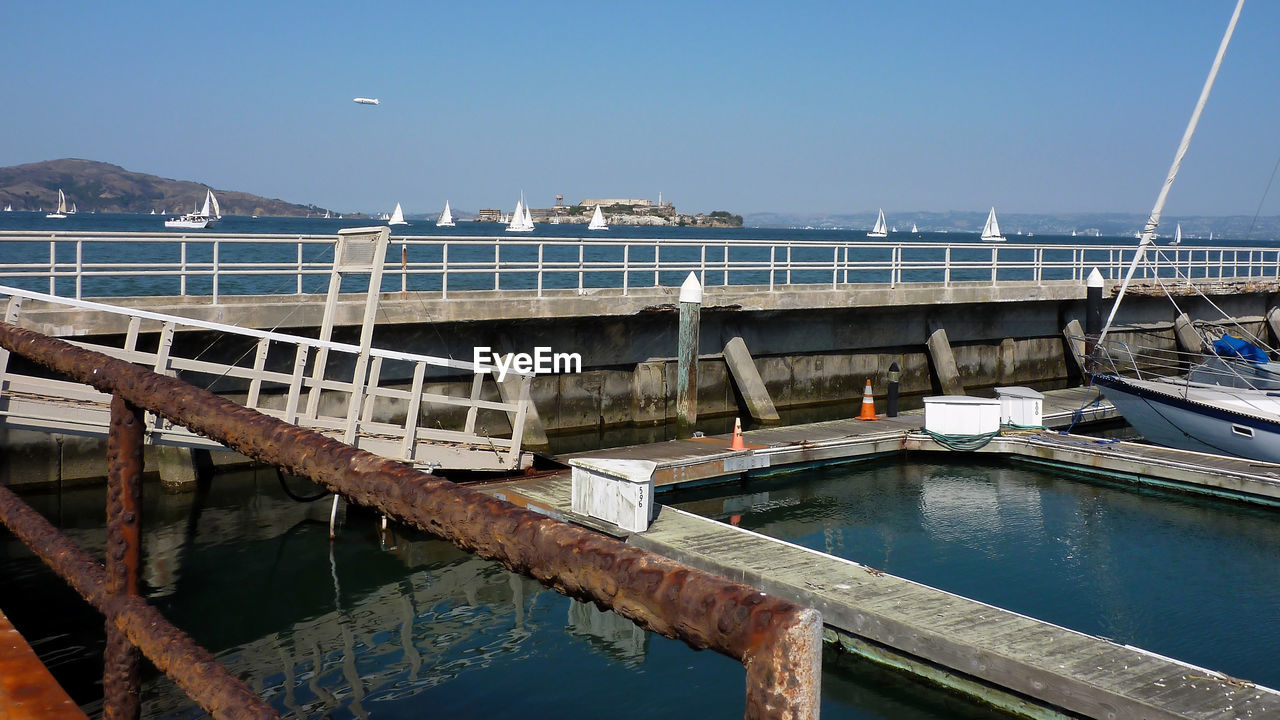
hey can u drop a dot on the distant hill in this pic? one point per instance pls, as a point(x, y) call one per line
point(103, 187)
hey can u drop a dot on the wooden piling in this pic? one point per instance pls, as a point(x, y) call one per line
point(687, 357)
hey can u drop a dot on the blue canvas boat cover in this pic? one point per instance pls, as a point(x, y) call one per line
point(1231, 346)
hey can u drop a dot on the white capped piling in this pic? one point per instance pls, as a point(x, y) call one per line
point(687, 357)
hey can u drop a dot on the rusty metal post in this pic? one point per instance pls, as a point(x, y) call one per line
point(121, 681)
point(776, 639)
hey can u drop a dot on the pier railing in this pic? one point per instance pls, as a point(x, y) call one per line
point(134, 264)
point(778, 642)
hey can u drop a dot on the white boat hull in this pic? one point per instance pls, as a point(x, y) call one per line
point(1204, 418)
point(188, 224)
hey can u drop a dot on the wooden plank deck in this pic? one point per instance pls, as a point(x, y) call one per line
point(27, 690)
point(772, 448)
point(1000, 656)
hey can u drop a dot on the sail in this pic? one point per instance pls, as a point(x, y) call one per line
point(521, 219)
point(446, 217)
point(212, 200)
point(913, 228)
point(62, 201)
point(1177, 235)
point(204, 211)
point(992, 229)
point(597, 221)
point(397, 217)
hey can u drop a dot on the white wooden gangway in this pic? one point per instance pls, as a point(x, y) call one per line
point(332, 387)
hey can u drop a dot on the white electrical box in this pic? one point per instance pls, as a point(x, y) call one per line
point(961, 415)
point(1021, 406)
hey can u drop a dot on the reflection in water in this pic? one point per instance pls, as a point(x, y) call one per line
point(393, 624)
point(1185, 577)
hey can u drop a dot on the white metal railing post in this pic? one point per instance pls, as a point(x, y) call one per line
point(444, 272)
point(724, 279)
point(182, 260)
point(497, 263)
point(835, 266)
point(404, 266)
point(788, 263)
point(582, 245)
point(299, 275)
point(626, 268)
point(541, 246)
point(657, 262)
point(994, 260)
point(53, 267)
point(702, 265)
point(215, 272)
point(946, 276)
point(79, 269)
point(773, 262)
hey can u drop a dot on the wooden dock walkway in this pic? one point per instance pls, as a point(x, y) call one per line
point(791, 447)
point(1010, 660)
point(1013, 661)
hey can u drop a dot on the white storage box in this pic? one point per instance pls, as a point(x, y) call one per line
point(619, 492)
point(961, 415)
point(1021, 406)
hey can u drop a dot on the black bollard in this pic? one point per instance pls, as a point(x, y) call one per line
point(891, 403)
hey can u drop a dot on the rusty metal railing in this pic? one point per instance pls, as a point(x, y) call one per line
point(778, 642)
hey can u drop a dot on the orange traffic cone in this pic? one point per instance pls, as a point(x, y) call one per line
point(738, 442)
point(868, 404)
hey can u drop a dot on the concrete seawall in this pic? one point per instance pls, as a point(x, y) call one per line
point(812, 345)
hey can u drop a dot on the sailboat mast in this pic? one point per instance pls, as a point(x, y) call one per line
point(1153, 221)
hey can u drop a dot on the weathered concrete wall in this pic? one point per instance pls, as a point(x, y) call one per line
point(816, 347)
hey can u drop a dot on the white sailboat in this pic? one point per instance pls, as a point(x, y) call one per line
point(1226, 403)
point(597, 221)
point(913, 228)
point(1177, 235)
point(205, 217)
point(446, 217)
point(73, 209)
point(397, 217)
point(61, 212)
point(991, 231)
point(879, 230)
point(8, 208)
point(521, 220)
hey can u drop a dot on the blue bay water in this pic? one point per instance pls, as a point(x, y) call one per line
point(1188, 578)
point(476, 246)
point(394, 626)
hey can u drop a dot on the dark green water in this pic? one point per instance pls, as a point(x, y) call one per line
point(1192, 579)
point(386, 627)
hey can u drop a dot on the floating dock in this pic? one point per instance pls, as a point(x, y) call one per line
point(1012, 661)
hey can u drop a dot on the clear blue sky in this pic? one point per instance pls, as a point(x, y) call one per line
point(746, 106)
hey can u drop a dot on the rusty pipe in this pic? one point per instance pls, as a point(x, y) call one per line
point(657, 593)
point(121, 677)
point(193, 668)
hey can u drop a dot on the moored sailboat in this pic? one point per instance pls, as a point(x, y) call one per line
point(991, 231)
point(446, 217)
point(1221, 398)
